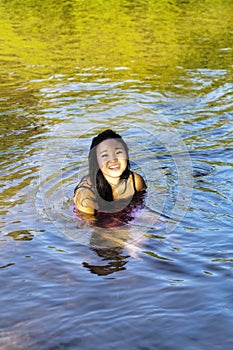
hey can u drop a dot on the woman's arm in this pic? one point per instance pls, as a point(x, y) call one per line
point(84, 200)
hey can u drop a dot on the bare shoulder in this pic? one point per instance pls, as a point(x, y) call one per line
point(139, 182)
point(84, 198)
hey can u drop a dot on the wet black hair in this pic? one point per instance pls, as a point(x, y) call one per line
point(100, 184)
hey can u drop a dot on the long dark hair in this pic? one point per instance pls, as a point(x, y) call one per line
point(102, 187)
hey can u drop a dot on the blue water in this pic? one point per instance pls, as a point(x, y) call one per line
point(67, 284)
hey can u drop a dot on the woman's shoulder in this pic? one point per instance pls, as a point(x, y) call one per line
point(139, 182)
point(84, 184)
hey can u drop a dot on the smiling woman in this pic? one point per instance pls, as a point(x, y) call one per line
point(110, 185)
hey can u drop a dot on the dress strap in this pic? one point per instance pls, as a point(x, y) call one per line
point(134, 185)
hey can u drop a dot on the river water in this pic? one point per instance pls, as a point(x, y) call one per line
point(160, 74)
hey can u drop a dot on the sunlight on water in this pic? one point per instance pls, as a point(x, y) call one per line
point(160, 74)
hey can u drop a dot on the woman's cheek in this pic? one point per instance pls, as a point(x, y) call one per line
point(102, 164)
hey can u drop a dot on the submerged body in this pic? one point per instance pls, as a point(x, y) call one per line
point(111, 214)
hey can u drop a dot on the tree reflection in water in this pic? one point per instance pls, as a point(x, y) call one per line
point(111, 236)
point(113, 260)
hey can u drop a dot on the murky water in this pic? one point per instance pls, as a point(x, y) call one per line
point(160, 74)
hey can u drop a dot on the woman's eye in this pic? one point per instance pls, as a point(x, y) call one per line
point(104, 155)
point(119, 152)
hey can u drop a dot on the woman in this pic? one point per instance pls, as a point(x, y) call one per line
point(110, 185)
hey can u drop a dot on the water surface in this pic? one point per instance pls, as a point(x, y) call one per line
point(159, 73)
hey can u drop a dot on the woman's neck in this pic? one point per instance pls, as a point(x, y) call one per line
point(113, 182)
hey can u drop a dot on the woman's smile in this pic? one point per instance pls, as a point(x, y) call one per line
point(114, 167)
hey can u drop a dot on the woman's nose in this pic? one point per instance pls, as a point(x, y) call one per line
point(113, 158)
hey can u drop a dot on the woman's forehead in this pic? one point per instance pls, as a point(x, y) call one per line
point(109, 144)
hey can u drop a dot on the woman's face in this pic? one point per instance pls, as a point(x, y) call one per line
point(112, 158)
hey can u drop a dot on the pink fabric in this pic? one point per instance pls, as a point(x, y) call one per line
point(116, 219)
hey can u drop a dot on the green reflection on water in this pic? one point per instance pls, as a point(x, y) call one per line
point(149, 37)
point(22, 235)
